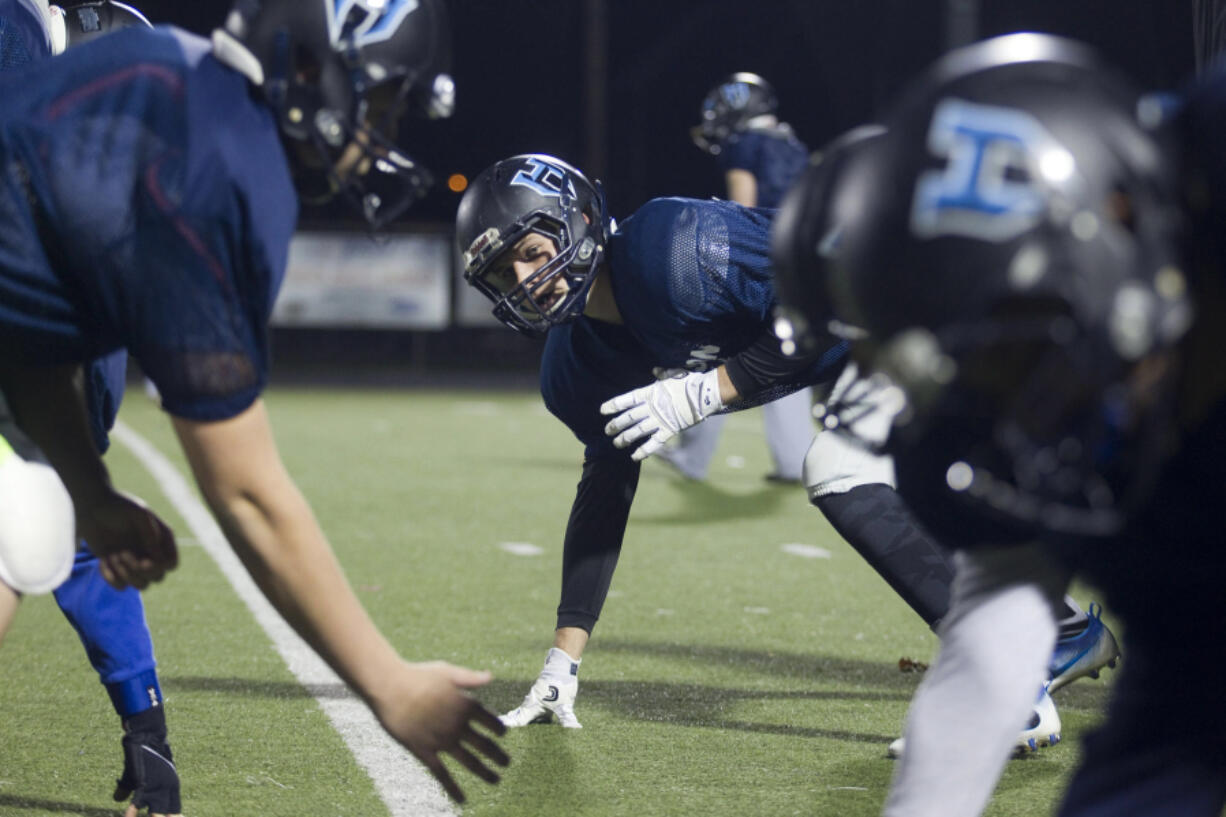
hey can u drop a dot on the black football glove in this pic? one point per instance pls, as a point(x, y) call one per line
point(149, 774)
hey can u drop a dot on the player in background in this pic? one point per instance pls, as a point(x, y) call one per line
point(529, 229)
point(760, 158)
point(1036, 412)
point(150, 192)
point(619, 306)
point(110, 622)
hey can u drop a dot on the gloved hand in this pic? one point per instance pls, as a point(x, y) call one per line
point(149, 774)
point(653, 414)
point(553, 694)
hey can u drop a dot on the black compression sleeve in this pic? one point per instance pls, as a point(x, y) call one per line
point(594, 537)
point(877, 523)
point(763, 364)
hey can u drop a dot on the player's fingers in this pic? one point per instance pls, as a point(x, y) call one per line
point(118, 570)
point(488, 719)
point(487, 747)
point(108, 575)
point(622, 402)
point(443, 776)
point(649, 446)
point(468, 678)
point(471, 762)
point(633, 434)
point(626, 419)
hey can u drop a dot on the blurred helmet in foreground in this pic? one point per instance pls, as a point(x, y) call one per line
point(1012, 252)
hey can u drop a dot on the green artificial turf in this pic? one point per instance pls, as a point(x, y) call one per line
point(726, 677)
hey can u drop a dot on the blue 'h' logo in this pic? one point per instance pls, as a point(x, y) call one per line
point(381, 20)
point(991, 187)
point(544, 178)
point(736, 94)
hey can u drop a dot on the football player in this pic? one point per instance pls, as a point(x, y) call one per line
point(681, 289)
point(150, 189)
point(1012, 255)
point(760, 157)
point(110, 622)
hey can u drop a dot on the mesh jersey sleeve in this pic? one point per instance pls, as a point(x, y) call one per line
point(170, 253)
point(693, 279)
point(23, 38)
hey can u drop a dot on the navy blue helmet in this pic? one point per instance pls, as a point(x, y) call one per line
point(532, 193)
point(341, 76)
point(728, 107)
point(1013, 254)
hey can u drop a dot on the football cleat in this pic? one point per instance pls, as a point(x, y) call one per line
point(553, 694)
point(1043, 729)
point(1085, 653)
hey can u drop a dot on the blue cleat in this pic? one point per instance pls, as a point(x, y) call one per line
point(1085, 653)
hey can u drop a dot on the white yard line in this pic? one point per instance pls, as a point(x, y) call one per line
point(403, 784)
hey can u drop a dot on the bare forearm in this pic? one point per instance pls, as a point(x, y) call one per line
point(289, 558)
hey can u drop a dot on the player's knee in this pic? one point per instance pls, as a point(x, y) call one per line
point(835, 465)
point(37, 526)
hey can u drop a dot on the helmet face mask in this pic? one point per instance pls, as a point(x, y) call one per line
point(341, 77)
point(528, 195)
point(728, 107)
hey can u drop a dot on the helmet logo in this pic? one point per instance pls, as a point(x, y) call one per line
point(374, 21)
point(736, 94)
point(992, 186)
point(545, 179)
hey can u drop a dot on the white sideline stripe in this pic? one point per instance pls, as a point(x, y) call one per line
point(403, 784)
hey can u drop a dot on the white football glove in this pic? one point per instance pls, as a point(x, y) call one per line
point(653, 414)
point(553, 694)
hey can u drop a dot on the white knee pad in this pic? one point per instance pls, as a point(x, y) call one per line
point(835, 464)
point(37, 525)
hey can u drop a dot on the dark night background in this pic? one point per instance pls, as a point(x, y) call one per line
point(524, 73)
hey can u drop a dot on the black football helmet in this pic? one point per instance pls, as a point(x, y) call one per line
point(532, 193)
point(1012, 251)
point(341, 75)
point(83, 22)
point(729, 106)
point(805, 236)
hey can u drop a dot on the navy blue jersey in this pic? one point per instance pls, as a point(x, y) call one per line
point(24, 39)
point(23, 35)
point(774, 156)
point(693, 282)
point(145, 204)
